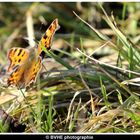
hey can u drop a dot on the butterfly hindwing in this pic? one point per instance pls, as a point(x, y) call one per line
point(17, 56)
point(33, 71)
point(16, 76)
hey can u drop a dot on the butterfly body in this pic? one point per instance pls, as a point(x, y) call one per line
point(25, 64)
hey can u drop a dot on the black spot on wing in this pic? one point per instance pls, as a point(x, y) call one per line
point(45, 36)
point(23, 54)
point(10, 82)
point(19, 52)
point(11, 76)
point(16, 70)
point(50, 28)
point(19, 60)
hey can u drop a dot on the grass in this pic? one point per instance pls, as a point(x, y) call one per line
point(89, 79)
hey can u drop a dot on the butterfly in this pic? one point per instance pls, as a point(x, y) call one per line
point(25, 63)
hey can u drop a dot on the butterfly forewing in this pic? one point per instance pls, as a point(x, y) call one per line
point(17, 56)
point(46, 39)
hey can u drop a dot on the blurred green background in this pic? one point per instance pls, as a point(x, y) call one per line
point(13, 30)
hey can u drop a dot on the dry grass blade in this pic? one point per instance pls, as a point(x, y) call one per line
point(133, 81)
point(30, 30)
point(108, 65)
point(70, 106)
point(90, 92)
point(105, 117)
point(29, 25)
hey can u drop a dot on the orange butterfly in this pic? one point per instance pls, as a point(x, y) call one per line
point(25, 64)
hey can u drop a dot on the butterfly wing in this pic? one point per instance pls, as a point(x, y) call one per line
point(46, 39)
point(26, 72)
point(17, 56)
point(32, 72)
point(16, 76)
